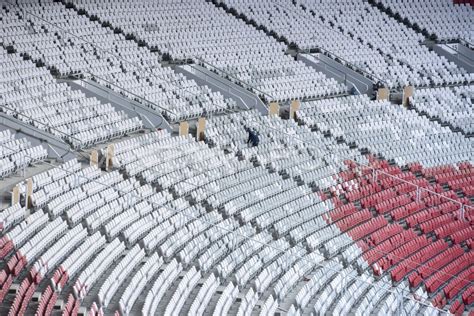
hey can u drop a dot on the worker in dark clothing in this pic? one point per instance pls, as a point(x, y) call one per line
point(253, 137)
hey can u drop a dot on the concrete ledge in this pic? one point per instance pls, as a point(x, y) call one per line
point(458, 54)
point(57, 148)
point(203, 76)
point(341, 73)
point(151, 119)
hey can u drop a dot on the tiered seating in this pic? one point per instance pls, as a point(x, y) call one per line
point(98, 266)
point(300, 223)
point(445, 18)
point(237, 50)
point(186, 285)
point(72, 306)
point(453, 106)
point(70, 249)
point(121, 270)
point(32, 95)
point(295, 150)
point(11, 216)
point(372, 298)
point(138, 283)
point(351, 294)
point(291, 22)
point(160, 286)
point(399, 251)
point(43, 306)
point(458, 177)
point(468, 295)
point(225, 301)
point(72, 265)
point(458, 283)
point(452, 269)
point(387, 130)
point(317, 282)
point(26, 254)
point(57, 38)
point(347, 26)
point(188, 235)
point(405, 60)
point(216, 186)
point(17, 153)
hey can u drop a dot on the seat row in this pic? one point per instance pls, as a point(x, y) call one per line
point(55, 36)
point(17, 153)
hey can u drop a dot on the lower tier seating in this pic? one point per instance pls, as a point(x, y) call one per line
point(213, 230)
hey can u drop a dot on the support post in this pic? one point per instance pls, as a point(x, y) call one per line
point(94, 158)
point(383, 94)
point(274, 109)
point(407, 93)
point(183, 128)
point(201, 127)
point(29, 192)
point(15, 195)
point(294, 107)
point(110, 157)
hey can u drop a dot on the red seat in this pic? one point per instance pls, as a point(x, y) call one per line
point(459, 282)
point(468, 295)
point(457, 308)
point(44, 301)
point(453, 268)
point(463, 235)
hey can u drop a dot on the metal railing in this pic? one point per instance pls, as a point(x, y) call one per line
point(121, 90)
point(226, 74)
point(220, 80)
point(339, 73)
point(345, 63)
point(75, 142)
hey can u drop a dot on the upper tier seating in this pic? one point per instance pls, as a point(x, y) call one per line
point(31, 94)
point(290, 21)
point(17, 153)
point(71, 44)
point(453, 106)
point(409, 61)
point(359, 34)
point(235, 48)
point(388, 130)
point(444, 18)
